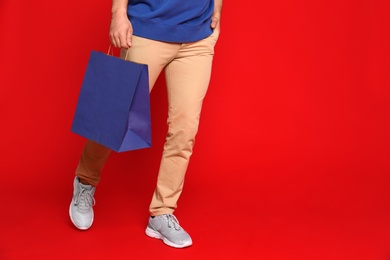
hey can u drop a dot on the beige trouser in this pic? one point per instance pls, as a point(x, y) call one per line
point(187, 69)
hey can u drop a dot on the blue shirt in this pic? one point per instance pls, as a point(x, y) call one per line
point(176, 21)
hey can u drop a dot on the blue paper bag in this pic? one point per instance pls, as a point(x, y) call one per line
point(113, 107)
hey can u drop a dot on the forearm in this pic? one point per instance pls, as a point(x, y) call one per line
point(119, 7)
point(121, 29)
point(217, 8)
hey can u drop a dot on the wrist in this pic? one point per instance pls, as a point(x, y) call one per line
point(217, 15)
point(121, 10)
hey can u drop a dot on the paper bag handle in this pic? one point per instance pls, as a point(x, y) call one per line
point(111, 52)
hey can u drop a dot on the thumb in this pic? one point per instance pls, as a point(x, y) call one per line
point(214, 22)
point(128, 37)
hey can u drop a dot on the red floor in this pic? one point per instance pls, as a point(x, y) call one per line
point(296, 218)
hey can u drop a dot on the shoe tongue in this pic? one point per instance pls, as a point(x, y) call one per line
point(86, 186)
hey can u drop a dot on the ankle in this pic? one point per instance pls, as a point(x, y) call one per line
point(85, 182)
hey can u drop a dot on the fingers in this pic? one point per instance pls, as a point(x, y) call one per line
point(121, 33)
point(214, 22)
point(122, 40)
point(114, 42)
point(128, 38)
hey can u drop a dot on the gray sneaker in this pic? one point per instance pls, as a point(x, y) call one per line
point(166, 227)
point(80, 210)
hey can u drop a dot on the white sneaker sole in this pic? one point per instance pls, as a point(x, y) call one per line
point(70, 215)
point(155, 234)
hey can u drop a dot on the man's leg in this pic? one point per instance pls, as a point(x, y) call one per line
point(92, 160)
point(156, 55)
point(187, 77)
point(94, 156)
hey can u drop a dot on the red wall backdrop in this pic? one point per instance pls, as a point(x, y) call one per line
point(296, 119)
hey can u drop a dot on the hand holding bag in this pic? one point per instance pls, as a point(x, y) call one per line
point(113, 107)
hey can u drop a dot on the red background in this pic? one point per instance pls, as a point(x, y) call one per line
point(291, 160)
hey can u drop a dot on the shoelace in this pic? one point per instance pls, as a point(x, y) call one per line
point(172, 222)
point(85, 199)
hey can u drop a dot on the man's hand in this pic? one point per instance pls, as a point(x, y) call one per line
point(214, 22)
point(121, 30)
point(216, 17)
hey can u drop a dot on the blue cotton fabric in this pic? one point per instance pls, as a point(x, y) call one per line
point(176, 21)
